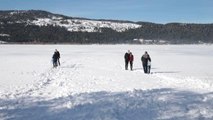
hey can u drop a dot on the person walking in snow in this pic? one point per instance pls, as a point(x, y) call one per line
point(145, 59)
point(55, 58)
point(126, 59)
point(131, 59)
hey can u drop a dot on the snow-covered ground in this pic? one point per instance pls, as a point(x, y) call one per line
point(91, 83)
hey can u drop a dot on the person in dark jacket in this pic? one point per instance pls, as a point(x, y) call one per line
point(58, 57)
point(126, 59)
point(145, 59)
point(55, 58)
point(131, 59)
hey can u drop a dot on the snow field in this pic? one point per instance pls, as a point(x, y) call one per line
point(91, 83)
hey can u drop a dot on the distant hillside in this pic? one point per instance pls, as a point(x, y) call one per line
point(35, 26)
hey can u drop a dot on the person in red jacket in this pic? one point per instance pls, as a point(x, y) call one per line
point(131, 59)
point(126, 59)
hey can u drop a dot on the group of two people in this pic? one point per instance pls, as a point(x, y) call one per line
point(55, 58)
point(145, 59)
point(128, 57)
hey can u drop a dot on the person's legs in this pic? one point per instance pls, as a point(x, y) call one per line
point(131, 63)
point(145, 68)
point(126, 64)
point(59, 62)
point(148, 69)
point(54, 63)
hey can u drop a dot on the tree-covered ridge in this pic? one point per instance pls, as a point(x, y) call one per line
point(19, 26)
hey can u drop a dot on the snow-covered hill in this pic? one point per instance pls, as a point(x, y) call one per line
point(84, 25)
point(36, 26)
point(42, 18)
point(91, 83)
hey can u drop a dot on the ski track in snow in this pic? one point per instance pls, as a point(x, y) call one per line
point(80, 89)
point(55, 79)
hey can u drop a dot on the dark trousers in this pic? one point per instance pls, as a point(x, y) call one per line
point(145, 68)
point(131, 64)
point(55, 64)
point(126, 64)
point(148, 68)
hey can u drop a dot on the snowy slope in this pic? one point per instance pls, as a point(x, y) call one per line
point(83, 25)
point(43, 18)
point(92, 84)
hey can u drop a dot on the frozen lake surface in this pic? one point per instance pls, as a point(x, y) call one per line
point(91, 83)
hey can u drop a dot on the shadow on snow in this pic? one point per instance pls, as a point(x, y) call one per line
point(166, 72)
point(155, 104)
point(141, 69)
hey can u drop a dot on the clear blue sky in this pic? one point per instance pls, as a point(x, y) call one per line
point(158, 11)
